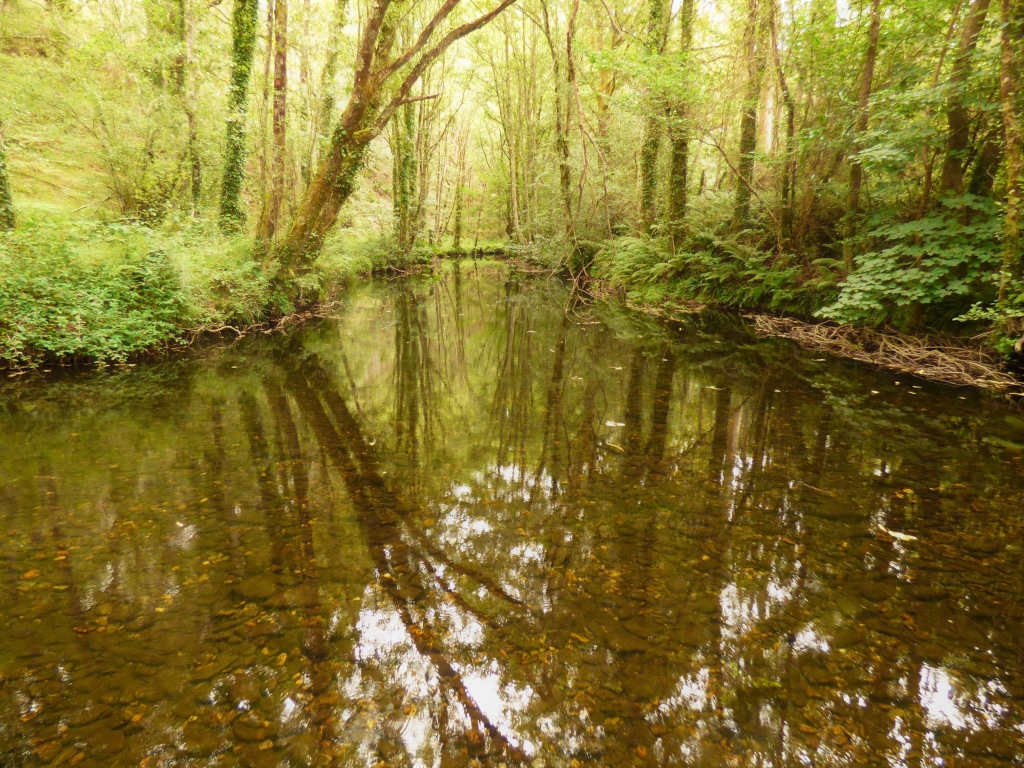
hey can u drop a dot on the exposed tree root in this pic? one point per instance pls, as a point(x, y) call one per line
point(929, 356)
point(324, 309)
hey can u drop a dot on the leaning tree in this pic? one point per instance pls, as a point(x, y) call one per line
point(383, 82)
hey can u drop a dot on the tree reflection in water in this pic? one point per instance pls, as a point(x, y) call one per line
point(473, 521)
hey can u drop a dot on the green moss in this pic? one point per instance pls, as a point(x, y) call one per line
point(6, 205)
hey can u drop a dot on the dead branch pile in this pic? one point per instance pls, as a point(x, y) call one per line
point(928, 356)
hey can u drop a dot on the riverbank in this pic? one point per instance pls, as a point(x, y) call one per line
point(928, 355)
point(87, 292)
point(80, 292)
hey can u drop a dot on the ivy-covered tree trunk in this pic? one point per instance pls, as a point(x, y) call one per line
point(271, 212)
point(753, 55)
point(680, 135)
point(860, 127)
point(957, 116)
point(6, 204)
point(1013, 264)
point(404, 184)
point(653, 124)
point(244, 17)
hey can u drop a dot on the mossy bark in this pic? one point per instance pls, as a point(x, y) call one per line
point(187, 87)
point(679, 136)
point(271, 213)
point(654, 126)
point(244, 18)
point(753, 53)
point(457, 227)
point(561, 111)
point(365, 117)
point(1013, 263)
point(6, 204)
point(405, 177)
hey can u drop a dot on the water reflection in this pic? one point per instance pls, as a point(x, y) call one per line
point(476, 522)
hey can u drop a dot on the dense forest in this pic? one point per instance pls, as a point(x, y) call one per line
point(187, 164)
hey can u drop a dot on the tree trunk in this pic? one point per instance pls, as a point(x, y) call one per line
point(279, 166)
point(328, 89)
point(363, 120)
point(986, 165)
point(6, 205)
point(679, 135)
point(653, 124)
point(188, 89)
point(860, 126)
point(457, 227)
point(404, 184)
point(754, 55)
point(561, 130)
point(512, 137)
point(957, 115)
point(244, 18)
point(1013, 268)
point(788, 185)
point(927, 156)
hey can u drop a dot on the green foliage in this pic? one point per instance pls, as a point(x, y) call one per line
point(89, 290)
point(713, 267)
point(54, 304)
point(943, 261)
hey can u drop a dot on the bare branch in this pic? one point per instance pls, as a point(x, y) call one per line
point(442, 13)
point(430, 56)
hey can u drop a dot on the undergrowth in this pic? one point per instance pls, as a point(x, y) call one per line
point(93, 290)
point(715, 266)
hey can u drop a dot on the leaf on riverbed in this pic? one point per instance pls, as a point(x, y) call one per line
point(900, 536)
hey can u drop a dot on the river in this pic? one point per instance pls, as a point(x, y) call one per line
point(473, 521)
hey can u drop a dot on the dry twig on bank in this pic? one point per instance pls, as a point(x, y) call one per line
point(930, 356)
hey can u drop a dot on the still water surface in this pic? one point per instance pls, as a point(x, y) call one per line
point(470, 523)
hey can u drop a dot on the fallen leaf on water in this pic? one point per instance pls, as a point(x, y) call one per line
point(578, 638)
point(30, 574)
point(616, 447)
point(281, 659)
